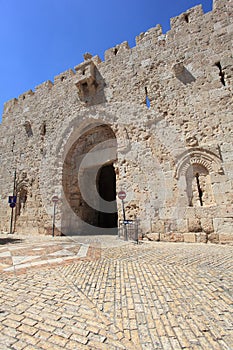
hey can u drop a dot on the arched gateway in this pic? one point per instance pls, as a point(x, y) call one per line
point(89, 182)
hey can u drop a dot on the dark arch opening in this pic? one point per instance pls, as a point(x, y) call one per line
point(106, 184)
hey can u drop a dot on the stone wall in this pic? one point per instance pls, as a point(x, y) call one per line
point(165, 111)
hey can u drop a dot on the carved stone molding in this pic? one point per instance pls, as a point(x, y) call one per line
point(198, 156)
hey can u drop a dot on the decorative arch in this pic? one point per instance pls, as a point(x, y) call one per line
point(201, 156)
point(193, 171)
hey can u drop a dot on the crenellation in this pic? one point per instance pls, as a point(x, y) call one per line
point(182, 21)
point(25, 95)
point(153, 34)
point(44, 87)
point(117, 50)
point(195, 14)
point(62, 77)
point(8, 107)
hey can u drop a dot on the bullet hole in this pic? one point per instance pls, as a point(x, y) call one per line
point(186, 18)
point(147, 98)
point(221, 73)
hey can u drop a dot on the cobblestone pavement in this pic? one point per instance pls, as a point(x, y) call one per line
point(117, 295)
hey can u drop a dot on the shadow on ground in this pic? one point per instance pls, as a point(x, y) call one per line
point(9, 240)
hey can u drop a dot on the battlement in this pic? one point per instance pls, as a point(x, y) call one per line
point(182, 27)
point(192, 15)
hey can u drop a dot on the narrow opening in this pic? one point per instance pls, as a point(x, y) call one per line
point(221, 73)
point(106, 184)
point(115, 51)
point(200, 192)
point(147, 98)
point(84, 72)
point(43, 129)
point(62, 78)
point(186, 18)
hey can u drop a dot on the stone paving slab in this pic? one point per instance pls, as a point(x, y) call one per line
point(25, 255)
point(147, 296)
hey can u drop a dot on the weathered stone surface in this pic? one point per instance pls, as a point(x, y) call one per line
point(207, 225)
point(172, 237)
point(223, 225)
point(201, 237)
point(149, 296)
point(194, 225)
point(153, 236)
point(225, 237)
point(190, 237)
point(213, 238)
point(154, 120)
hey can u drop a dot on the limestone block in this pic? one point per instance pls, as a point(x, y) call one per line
point(177, 237)
point(194, 225)
point(201, 237)
point(223, 225)
point(172, 237)
point(158, 226)
point(182, 225)
point(213, 238)
point(190, 237)
point(153, 236)
point(207, 225)
point(226, 237)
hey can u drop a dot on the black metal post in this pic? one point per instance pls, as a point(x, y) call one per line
point(125, 225)
point(12, 209)
point(123, 208)
point(54, 213)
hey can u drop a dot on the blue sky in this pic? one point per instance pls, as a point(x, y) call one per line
point(42, 38)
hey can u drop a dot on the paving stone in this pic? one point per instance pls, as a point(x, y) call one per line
point(156, 296)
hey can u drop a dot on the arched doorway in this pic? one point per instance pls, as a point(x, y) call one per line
point(89, 181)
